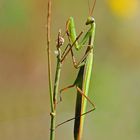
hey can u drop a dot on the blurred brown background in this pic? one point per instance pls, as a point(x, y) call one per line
point(115, 84)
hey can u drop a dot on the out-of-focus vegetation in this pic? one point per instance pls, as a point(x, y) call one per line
point(115, 84)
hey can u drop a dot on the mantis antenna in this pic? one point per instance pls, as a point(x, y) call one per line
point(91, 12)
point(89, 7)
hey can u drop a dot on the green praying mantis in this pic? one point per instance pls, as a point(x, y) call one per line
point(85, 65)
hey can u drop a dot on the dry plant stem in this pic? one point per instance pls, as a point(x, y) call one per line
point(52, 135)
point(48, 54)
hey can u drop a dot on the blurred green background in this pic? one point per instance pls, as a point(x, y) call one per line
point(115, 84)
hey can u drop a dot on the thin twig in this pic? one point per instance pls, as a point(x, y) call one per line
point(52, 135)
point(48, 53)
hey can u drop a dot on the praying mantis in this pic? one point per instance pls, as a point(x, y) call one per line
point(85, 65)
point(82, 81)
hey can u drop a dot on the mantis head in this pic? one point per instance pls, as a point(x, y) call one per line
point(90, 20)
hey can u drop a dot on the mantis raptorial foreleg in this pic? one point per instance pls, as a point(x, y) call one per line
point(70, 48)
point(81, 61)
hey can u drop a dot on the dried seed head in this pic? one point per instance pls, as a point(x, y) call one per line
point(61, 41)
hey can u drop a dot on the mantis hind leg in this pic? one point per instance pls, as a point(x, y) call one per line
point(82, 93)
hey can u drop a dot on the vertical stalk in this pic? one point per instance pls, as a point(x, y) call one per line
point(52, 134)
point(48, 53)
point(53, 94)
